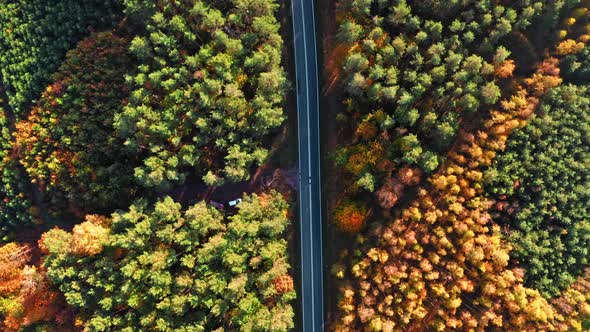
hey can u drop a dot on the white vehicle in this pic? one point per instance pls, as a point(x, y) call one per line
point(234, 202)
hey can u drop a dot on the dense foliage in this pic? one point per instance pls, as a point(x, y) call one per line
point(542, 183)
point(207, 91)
point(574, 302)
point(161, 268)
point(189, 89)
point(441, 265)
point(67, 144)
point(414, 70)
point(35, 35)
point(15, 201)
point(442, 262)
point(462, 161)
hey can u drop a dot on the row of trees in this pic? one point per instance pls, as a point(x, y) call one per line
point(162, 268)
point(207, 91)
point(35, 35)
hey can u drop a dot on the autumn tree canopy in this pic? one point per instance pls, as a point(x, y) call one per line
point(67, 143)
point(161, 267)
point(414, 71)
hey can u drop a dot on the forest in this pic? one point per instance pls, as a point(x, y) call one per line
point(149, 160)
point(458, 184)
point(463, 165)
point(125, 125)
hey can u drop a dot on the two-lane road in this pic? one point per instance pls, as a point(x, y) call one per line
point(310, 209)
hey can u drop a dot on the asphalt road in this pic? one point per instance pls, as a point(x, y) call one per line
point(310, 209)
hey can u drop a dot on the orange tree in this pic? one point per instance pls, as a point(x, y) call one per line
point(350, 216)
point(27, 298)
